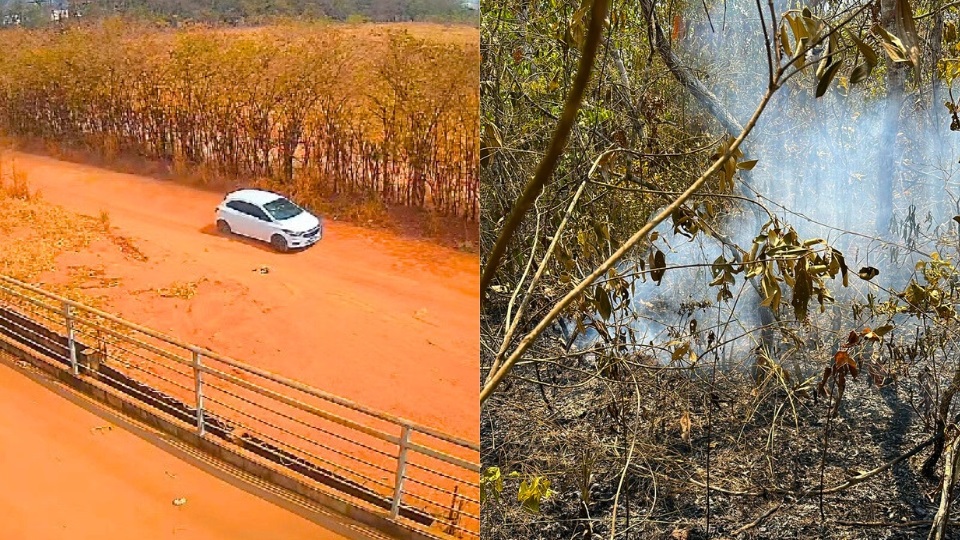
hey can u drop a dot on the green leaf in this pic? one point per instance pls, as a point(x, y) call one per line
point(892, 45)
point(801, 291)
point(532, 492)
point(785, 41)
point(827, 78)
point(883, 330)
point(843, 265)
point(491, 484)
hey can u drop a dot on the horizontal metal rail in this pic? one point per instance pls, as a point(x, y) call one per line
point(417, 474)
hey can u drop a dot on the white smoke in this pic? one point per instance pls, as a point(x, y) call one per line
point(818, 171)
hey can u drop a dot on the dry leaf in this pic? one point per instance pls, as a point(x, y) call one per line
point(685, 426)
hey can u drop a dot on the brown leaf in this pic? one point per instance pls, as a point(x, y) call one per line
point(842, 362)
point(678, 28)
point(822, 387)
point(841, 385)
point(685, 426)
point(868, 272)
point(658, 266)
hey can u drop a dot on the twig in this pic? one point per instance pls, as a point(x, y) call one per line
point(941, 519)
point(757, 521)
point(870, 474)
point(495, 379)
point(859, 479)
point(616, 498)
point(823, 454)
point(508, 337)
point(725, 491)
point(883, 524)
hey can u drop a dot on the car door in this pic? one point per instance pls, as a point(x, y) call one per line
point(261, 226)
point(240, 218)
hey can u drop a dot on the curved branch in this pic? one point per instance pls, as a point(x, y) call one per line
point(558, 143)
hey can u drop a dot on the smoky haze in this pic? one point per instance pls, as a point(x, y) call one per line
point(818, 171)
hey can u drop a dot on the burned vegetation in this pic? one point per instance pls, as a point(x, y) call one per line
point(720, 283)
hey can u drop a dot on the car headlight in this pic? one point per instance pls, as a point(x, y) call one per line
point(291, 233)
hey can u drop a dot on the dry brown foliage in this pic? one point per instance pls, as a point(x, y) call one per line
point(322, 111)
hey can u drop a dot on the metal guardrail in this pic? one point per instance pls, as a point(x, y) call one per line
point(418, 476)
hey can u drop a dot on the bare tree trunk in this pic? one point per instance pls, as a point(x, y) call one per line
point(889, 149)
point(685, 76)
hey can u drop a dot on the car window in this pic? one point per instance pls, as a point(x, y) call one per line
point(248, 209)
point(238, 206)
point(282, 209)
point(258, 213)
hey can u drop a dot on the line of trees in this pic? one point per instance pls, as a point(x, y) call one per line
point(390, 117)
point(37, 12)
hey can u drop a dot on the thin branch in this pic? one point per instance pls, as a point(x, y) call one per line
point(560, 306)
point(557, 146)
point(757, 521)
point(508, 337)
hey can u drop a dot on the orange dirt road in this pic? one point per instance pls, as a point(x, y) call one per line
point(68, 473)
point(389, 322)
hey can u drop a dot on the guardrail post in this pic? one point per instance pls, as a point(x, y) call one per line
point(71, 342)
point(198, 387)
point(401, 471)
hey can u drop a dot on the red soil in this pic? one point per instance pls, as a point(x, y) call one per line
point(69, 474)
point(388, 322)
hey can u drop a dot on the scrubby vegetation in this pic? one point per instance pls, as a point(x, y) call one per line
point(236, 12)
point(371, 114)
point(720, 280)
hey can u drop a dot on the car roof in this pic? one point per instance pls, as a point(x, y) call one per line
point(255, 196)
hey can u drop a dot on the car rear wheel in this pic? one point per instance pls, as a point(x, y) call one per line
point(223, 227)
point(278, 242)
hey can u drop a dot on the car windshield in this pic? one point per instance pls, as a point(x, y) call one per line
point(282, 209)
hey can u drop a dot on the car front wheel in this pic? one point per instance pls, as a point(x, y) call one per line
point(279, 243)
point(223, 227)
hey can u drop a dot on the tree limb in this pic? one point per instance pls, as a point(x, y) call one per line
point(496, 378)
point(557, 146)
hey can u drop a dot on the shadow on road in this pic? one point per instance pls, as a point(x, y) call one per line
point(211, 230)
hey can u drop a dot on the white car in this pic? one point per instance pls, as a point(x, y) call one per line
point(269, 217)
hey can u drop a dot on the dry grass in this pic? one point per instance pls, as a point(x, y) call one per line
point(184, 290)
point(13, 183)
point(86, 277)
point(35, 233)
point(378, 33)
point(128, 248)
